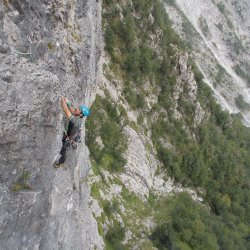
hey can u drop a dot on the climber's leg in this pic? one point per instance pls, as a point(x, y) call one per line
point(62, 159)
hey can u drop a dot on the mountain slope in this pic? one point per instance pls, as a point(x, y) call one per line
point(156, 132)
point(217, 33)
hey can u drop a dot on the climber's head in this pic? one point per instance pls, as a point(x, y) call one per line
point(84, 110)
point(81, 111)
point(77, 112)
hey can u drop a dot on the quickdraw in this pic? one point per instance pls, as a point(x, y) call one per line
point(69, 142)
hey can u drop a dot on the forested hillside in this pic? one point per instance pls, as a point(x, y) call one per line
point(196, 143)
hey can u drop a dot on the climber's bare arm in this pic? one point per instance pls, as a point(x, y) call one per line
point(71, 109)
point(65, 107)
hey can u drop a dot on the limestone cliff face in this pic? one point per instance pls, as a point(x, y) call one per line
point(53, 48)
point(217, 33)
point(47, 49)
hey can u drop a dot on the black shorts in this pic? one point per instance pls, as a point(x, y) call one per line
point(73, 126)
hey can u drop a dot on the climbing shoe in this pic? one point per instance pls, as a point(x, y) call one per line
point(58, 165)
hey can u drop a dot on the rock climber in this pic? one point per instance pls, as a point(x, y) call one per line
point(72, 128)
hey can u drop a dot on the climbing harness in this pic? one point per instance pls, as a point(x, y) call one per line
point(74, 139)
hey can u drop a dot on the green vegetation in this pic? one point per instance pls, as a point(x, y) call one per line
point(230, 24)
point(136, 101)
point(104, 123)
point(220, 74)
point(239, 8)
point(218, 161)
point(189, 31)
point(170, 2)
point(221, 7)
point(95, 191)
point(204, 27)
point(184, 224)
point(115, 231)
point(115, 236)
point(76, 37)
point(220, 26)
point(237, 46)
point(131, 54)
point(21, 182)
point(51, 46)
point(242, 74)
point(133, 216)
point(100, 227)
point(212, 156)
point(240, 103)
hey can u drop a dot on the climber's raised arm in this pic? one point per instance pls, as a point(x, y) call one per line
point(65, 107)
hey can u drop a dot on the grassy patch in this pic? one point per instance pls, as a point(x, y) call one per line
point(117, 181)
point(139, 209)
point(76, 37)
point(110, 207)
point(22, 182)
point(95, 191)
point(115, 236)
point(51, 46)
point(100, 226)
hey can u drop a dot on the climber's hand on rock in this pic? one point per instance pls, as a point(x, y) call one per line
point(63, 99)
point(65, 107)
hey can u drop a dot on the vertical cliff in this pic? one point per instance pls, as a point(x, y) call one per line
point(47, 49)
point(164, 167)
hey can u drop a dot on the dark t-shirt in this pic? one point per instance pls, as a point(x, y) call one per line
point(73, 126)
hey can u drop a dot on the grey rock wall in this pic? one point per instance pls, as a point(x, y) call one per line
point(47, 49)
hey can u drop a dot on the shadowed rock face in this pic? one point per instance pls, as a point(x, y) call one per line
point(47, 49)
